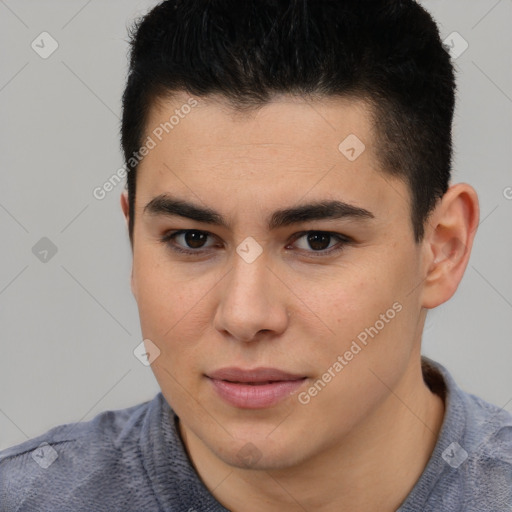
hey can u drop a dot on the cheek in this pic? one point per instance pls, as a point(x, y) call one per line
point(162, 292)
point(351, 301)
point(171, 307)
point(365, 350)
point(367, 305)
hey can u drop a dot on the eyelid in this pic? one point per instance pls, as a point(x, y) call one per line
point(344, 240)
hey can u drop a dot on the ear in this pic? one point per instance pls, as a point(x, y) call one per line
point(124, 205)
point(449, 234)
point(126, 213)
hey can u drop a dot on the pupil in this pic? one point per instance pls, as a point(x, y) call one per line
point(194, 239)
point(315, 242)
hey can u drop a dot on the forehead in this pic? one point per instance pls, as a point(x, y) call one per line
point(287, 121)
point(290, 146)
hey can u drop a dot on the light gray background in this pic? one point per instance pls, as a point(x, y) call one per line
point(70, 325)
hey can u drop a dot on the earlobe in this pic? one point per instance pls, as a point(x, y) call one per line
point(449, 238)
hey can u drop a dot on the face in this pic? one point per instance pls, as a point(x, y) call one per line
point(302, 262)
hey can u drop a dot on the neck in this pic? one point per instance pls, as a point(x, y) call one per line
point(375, 468)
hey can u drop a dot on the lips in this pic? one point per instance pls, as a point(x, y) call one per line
point(254, 388)
point(254, 376)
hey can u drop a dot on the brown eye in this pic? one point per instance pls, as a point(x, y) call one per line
point(317, 241)
point(192, 241)
point(320, 242)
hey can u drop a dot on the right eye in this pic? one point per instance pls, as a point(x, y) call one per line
point(193, 238)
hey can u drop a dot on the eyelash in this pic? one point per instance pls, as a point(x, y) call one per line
point(169, 237)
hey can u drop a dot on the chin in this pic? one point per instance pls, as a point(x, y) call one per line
point(259, 454)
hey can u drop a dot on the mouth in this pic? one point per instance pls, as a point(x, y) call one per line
point(255, 376)
point(262, 383)
point(257, 388)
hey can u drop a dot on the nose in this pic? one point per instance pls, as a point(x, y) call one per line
point(252, 302)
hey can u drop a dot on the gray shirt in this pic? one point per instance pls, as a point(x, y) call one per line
point(133, 460)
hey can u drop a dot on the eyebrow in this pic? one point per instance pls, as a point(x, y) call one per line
point(166, 205)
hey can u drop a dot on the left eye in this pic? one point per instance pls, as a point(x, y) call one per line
point(194, 241)
point(319, 241)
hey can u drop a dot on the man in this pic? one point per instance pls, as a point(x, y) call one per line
point(292, 221)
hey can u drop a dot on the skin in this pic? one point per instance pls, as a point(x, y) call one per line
point(375, 424)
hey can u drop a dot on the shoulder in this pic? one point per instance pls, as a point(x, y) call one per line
point(488, 428)
point(69, 462)
point(107, 428)
point(485, 474)
point(471, 466)
point(488, 433)
point(485, 428)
